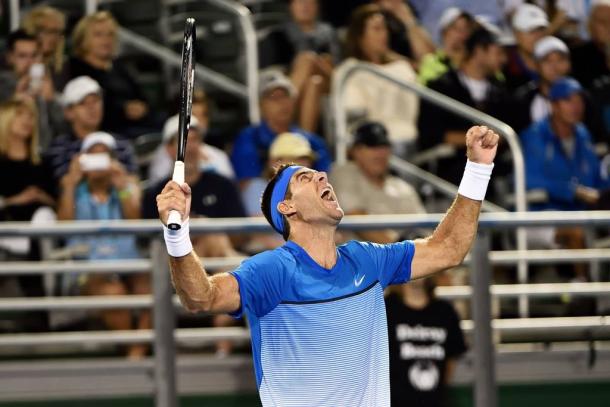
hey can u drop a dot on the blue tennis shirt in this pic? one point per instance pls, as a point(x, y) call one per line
point(319, 336)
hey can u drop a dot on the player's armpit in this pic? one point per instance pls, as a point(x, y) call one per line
point(198, 291)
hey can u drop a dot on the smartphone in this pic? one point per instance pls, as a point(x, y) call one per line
point(94, 162)
point(36, 75)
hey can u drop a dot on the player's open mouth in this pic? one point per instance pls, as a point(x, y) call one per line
point(327, 195)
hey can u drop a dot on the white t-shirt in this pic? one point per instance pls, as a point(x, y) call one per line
point(476, 87)
point(162, 164)
point(374, 98)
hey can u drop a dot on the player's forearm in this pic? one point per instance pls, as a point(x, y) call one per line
point(456, 232)
point(192, 283)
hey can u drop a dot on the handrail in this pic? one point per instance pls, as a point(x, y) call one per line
point(586, 325)
point(446, 292)
point(251, 42)
point(168, 56)
point(246, 25)
point(151, 227)
point(340, 117)
point(437, 182)
point(14, 14)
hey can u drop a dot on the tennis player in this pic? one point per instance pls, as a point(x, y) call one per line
point(316, 311)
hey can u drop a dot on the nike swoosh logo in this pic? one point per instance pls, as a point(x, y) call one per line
point(359, 281)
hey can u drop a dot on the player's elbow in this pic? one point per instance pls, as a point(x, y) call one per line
point(195, 306)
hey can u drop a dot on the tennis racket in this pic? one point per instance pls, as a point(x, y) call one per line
point(187, 82)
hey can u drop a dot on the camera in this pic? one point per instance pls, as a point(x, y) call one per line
point(94, 162)
point(36, 75)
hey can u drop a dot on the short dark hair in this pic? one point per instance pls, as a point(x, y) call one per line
point(479, 38)
point(266, 200)
point(18, 35)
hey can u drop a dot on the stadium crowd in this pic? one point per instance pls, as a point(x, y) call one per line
point(71, 113)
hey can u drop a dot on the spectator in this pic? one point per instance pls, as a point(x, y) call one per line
point(26, 78)
point(278, 96)
point(83, 109)
point(94, 42)
point(553, 62)
point(308, 50)
point(98, 187)
point(407, 37)
point(455, 26)
point(369, 97)
point(26, 191)
point(286, 148)
point(473, 84)
point(529, 24)
point(366, 187)
point(559, 156)
point(48, 24)
point(591, 60)
point(210, 158)
point(425, 341)
point(214, 196)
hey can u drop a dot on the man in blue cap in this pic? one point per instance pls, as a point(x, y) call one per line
point(559, 155)
point(316, 311)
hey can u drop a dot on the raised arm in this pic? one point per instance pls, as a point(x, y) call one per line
point(451, 240)
point(197, 290)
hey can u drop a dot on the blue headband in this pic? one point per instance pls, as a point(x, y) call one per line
point(278, 195)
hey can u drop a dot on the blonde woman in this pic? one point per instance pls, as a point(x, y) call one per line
point(26, 186)
point(48, 24)
point(94, 41)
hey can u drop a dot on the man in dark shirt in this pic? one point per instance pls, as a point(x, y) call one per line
point(472, 84)
point(425, 340)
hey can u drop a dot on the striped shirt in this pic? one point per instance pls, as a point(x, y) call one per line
point(61, 150)
point(319, 336)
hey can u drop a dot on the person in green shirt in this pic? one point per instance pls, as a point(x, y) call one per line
point(455, 25)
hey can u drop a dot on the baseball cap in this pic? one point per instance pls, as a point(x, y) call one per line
point(371, 134)
point(290, 145)
point(170, 128)
point(528, 17)
point(98, 137)
point(449, 16)
point(549, 44)
point(78, 88)
point(564, 88)
point(273, 79)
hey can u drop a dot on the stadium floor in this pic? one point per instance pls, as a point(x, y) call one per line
point(591, 394)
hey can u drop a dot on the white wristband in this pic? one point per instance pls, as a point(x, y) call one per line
point(475, 179)
point(178, 242)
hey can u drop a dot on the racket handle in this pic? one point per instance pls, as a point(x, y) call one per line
point(174, 220)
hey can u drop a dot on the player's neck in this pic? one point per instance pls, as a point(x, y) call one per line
point(319, 243)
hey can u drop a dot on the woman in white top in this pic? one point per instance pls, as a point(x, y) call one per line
point(370, 97)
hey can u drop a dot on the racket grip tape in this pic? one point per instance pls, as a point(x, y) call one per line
point(174, 220)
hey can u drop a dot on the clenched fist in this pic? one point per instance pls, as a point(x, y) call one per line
point(176, 197)
point(481, 144)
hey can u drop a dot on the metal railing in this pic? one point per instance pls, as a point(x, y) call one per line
point(165, 334)
point(454, 106)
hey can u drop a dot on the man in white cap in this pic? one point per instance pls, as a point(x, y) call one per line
point(277, 100)
point(529, 23)
point(553, 62)
point(210, 159)
point(84, 110)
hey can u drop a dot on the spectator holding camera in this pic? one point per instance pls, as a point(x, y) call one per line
point(83, 108)
point(98, 187)
point(27, 78)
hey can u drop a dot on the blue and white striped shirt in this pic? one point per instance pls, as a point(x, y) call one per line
point(319, 336)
